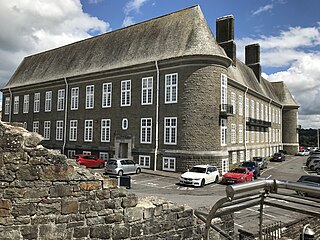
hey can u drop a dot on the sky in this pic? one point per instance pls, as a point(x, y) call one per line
point(288, 32)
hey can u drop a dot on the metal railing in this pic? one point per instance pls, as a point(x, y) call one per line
point(257, 193)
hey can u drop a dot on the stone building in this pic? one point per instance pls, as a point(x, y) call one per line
point(163, 92)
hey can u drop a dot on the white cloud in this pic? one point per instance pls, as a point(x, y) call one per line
point(296, 49)
point(263, 9)
point(94, 1)
point(128, 21)
point(132, 6)
point(32, 26)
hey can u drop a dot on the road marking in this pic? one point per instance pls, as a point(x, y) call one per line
point(269, 177)
point(169, 186)
point(185, 188)
point(238, 225)
point(268, 215)
point(148, 180)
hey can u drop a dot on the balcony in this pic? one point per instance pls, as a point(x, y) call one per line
point(226, 110)
point(258, 123)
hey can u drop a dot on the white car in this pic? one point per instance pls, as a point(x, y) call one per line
point(303, 152)
point(200, 175)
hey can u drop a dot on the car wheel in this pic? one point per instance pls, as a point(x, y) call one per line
point(120, 173)
point(312, 168)
point(202, 182)
point(255, 177)
point(217, 179)
point(138, 170)
point(101, 165)
point(318, 171)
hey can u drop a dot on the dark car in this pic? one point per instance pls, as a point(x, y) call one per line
point(311, 180)
point(252, 166)
point(262, 162)
point(90, 161)
point(278, 157)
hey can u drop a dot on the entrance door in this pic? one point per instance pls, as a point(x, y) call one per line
point(123, 150)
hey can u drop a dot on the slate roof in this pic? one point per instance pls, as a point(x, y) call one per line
point(181, 33)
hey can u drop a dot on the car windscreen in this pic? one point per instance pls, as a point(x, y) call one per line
point(112, 162)
point(198, 170)
point(238, 170)
point(248, 164)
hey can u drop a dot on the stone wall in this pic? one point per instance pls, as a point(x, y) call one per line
point(44, 195)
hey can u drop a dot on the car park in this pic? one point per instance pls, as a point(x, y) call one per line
point(121, 166)
point(278, 157)
point(90, 161)
point(238, 175)
point(317, 168)
point(262, 162)
point(200, 175)
point(311, 180)
point(311, 157)
point(252, 166)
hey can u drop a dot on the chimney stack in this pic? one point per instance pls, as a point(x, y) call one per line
point(225, 36)
point(252, 55)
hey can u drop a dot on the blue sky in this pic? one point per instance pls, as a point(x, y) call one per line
point(288, 32)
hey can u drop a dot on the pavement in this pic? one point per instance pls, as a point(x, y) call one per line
point(161, 173)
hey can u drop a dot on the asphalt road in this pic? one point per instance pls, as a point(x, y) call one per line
point(144, 185)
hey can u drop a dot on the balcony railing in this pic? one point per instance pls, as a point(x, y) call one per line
point(226, 110)
point(258, 123)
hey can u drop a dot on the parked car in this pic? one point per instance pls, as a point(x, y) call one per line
point(121, 166)
point(200, 175)
point(317, 168)
point(262, 162)
point(278, 157)
point(90, 161)
point(303, 152)
point(252, 166)
point(311, 157)
point(312, 180)
point(238, 175)
point(312, 163)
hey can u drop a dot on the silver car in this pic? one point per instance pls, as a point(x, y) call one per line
point(122, 166)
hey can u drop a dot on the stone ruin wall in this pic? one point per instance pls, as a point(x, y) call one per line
point(44, 195)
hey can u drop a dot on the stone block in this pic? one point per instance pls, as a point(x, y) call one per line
point(101, 231)
point(148, 212)
point(6, 221)
point(58, 172)
point(103, 194)
point(84, 207)
point(60, 191)
point(129, 201)
point(69, 206)
point(81, 232)
point(134, 214)
point(29, 173)
point(29, 232)
point(36, 193)
point(4, 213)
point(97, 205)
point(7, 175)
point(120, 232)
point(22, 220)
point(114, 218)
point(109, 183)
point(90, 186)
point(15, 157)
point(24, 210)
point(43, 219)
point(5, 204)
point(52, 208)
point(10, 233)
point(95, 221)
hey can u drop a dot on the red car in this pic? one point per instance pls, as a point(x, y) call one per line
point(238, 175)
point(90, 161)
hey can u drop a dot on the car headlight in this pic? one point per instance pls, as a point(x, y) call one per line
point(197, 179)
point(241, 178)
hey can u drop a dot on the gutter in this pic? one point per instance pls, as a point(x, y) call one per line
point(65, 116)
point(157, 119)
point(245, 123)
point(270, 135)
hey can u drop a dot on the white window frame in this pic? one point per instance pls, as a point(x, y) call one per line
point(169, 164)
point(252, 134)
point(36, 103)
point(224, 165)
point(26, 103)
point(233, 103)
point(240, 138)
point(252, 109)
point(146, 130)
point(248, 155)
point(89, 97)
point(223, 132)
point(241, 156)
point(106, 95)
point(16, 105)
point(257, 134)
point(125, 93)
point(125, 124)
point(7, 106)
point(170, 130)
point(60, 100)
point(266, 113)
point(25, 125)
point(48, 101)
point(73, 132)
point(171, 88)
point(233, 134)
point(257, 110)
point(59, 130)
point(234, 157)
point(105, 130)
point(262, 112)
point(46, 130)
point(240, 99)
point(71, 153)
point(224, 91)
point(146, 90)
point(74, 98)
point(86, 152)
point(104, 155)
point(246, 111)
point(144, 161)
point(35, 126)
point(88, 131)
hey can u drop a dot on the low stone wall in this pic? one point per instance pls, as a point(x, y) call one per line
point(46, 196)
